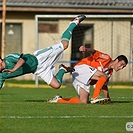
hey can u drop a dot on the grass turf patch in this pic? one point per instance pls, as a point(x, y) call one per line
point(23, 110)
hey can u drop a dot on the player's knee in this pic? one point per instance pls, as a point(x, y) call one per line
point(65, 44)
point(54, 83)
point(83, 101)
point(55, 86)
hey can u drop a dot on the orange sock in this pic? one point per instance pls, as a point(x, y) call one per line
point(68, 100)
point(98, 87)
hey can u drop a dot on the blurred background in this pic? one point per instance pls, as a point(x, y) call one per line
point(26, 26)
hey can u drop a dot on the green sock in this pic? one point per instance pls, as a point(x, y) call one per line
point(60, 75)
point(68, 32)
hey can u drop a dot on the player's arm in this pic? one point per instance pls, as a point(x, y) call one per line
point(2, 79)
point(106, 92)
point(88, 50)
point(1, 84)
point(20, 62)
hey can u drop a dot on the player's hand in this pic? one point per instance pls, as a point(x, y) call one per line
point(82, 48)
point(8, 71)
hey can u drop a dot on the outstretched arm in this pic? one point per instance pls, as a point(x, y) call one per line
point(89, 50)
point(20, 62)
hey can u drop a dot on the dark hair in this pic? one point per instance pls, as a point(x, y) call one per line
point(1, 58)
point(122, 57)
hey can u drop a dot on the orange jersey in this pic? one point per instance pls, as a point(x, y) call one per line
point(99, 61)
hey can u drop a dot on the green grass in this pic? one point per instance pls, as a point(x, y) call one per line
point(23, 110)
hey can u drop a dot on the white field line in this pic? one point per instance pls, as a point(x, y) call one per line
point(60, 117)
point(123, 97)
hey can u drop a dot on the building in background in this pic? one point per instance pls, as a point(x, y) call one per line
point(108, 27)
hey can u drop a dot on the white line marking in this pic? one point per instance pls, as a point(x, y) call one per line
point(60, 117)
point(123, 97)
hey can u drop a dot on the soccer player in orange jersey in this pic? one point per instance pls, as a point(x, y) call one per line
point(95, 69)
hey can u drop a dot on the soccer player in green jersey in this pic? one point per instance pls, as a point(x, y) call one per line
point(41, 63)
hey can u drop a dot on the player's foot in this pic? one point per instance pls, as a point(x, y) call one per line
point(55, 99)
point(67, 69)
point(99, 100)
point(78, 19)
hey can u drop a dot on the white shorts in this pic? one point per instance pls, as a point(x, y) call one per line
point(47, 57)
point(82, 77)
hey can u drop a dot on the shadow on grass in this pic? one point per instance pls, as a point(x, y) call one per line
point(121, 101)
point(35, 100)
point(112, 102)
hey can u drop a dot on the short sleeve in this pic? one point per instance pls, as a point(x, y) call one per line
point(97, 54)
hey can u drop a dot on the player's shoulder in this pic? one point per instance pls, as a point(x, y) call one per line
point(103, 55)
point(13, 55)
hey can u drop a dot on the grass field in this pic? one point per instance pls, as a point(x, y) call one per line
point(24, 110)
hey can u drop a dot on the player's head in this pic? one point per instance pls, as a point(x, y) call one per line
point(120, 62)
point(122, 57)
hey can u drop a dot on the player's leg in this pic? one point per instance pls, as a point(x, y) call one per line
point(55, 52)
point(46, 59)
point(82, 89)
point(101, 80)
point(54, 83)
point(57, 80)
point(106, 93)
point(74, 100)
point(68, 32)
point(82, 93)
point(83, 96)
point(59, 99)
point(63, 69)
point(65, 41)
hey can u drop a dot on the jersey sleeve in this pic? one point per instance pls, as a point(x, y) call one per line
point(11, 60)
point(96, 55)
point(13, 57)
point(24, 57)
point(2, 80)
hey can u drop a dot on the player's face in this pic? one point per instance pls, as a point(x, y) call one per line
point(119, 65)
